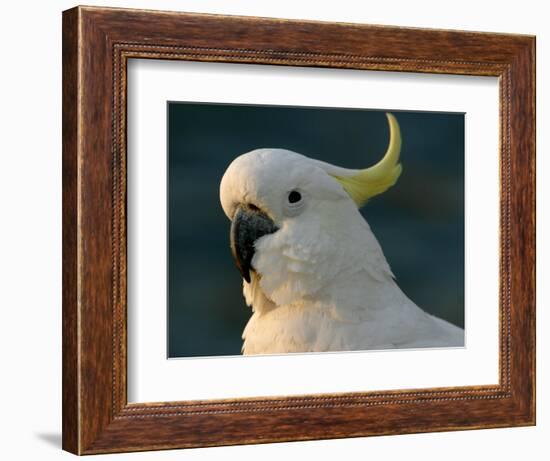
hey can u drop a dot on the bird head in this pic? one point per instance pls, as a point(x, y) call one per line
point(290, 213)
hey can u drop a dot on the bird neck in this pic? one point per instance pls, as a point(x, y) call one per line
point(343, 269)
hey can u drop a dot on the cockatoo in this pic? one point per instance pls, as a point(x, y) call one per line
point(314, 273)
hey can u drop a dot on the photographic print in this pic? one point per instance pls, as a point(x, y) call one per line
point(310, 229)
point(251, 202)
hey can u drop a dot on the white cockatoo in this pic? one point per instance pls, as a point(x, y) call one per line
point(314, 273)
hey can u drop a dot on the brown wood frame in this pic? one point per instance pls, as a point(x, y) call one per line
point(97, 43)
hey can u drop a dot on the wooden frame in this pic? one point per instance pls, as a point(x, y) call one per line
point(97, 43)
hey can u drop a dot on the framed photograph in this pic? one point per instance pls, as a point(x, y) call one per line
point(280, 230)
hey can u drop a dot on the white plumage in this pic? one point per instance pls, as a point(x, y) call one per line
point(320, 281)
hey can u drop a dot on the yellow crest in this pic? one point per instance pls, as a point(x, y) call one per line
point(364, 184)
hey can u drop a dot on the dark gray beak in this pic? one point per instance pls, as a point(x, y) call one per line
point(248, 225)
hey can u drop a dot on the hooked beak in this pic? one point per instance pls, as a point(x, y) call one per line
point(248, 225)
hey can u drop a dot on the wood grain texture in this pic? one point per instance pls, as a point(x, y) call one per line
point(70, 385)
point(97, 43)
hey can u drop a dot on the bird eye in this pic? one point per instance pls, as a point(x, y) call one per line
point(294, 196)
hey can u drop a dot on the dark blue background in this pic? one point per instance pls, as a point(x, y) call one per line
point(419, 222)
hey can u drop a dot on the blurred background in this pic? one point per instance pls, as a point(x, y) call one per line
point(419, 222)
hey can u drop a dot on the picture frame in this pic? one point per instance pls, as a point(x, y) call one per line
point(97, 44)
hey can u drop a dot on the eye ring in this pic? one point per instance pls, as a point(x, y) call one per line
point(294, 197)
point(294, 202)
